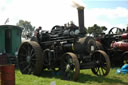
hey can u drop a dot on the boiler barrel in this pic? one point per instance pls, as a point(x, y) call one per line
point(85, 45)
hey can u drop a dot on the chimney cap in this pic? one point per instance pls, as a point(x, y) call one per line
point(80, 8)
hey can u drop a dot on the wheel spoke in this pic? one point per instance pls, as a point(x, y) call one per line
point(32, 52)
point(23, 62)
point(29, 51)
point(99, 71)
point(105, 68)
point(21, 54)
point(102, 71)
point(24, 49)
point(33, 55)
point(125, 58)
point(33, 59)
point(26, 68)
point(33, 64)
point(29, 71)
point(100, 59)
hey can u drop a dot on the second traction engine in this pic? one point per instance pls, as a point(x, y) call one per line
point(115, 44)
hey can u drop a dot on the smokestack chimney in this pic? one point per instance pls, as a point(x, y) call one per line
point(81, 19)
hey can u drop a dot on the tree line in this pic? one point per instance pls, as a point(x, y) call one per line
point(27, 30)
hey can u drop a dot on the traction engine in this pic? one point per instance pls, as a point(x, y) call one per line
point(115, 44)
point(66, 50)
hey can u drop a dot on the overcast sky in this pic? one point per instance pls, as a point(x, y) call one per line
point(47, 13)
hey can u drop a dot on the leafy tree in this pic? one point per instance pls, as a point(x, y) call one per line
point(27, 28)
point(95, 30)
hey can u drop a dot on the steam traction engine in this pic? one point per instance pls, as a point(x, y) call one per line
point(115, 44)
point(65, 49)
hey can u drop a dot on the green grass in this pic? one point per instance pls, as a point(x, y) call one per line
point(86, 77)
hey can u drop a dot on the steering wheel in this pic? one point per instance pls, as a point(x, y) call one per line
point(56, 29)
point(115, 31)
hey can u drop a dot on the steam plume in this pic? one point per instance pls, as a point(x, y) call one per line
point(77, 5)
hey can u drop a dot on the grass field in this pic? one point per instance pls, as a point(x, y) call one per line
point(86, 77)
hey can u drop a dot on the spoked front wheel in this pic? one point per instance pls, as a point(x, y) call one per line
point(30, 58)
point(70, 66)
point(102, 63)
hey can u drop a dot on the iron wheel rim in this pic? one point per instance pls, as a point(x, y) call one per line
point(30, 58)
point(70, 66)
point(102, 67)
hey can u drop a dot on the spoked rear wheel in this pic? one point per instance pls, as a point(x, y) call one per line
point(30, 58)
point(125, 58)
point(102, 66)
point(70, 66)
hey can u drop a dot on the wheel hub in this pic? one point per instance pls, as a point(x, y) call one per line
point(92, 48)
point(97, 62)
point(28, 58)
point(67, 67)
